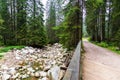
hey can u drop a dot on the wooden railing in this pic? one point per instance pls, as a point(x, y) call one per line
point(73, 70)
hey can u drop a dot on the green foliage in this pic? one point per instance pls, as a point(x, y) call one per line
point(1, 29)
point(111, 46)
point(22, 23)
point(7, 48)
point(51, 21)
point(68, 31)
point(103, 44)
point(100, 1)
point(95, 19)
point(117, 38)
point(115, 23)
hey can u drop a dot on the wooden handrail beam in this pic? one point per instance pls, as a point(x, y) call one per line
point(73, 70)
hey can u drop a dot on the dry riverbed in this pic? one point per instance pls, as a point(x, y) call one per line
point(35, 64)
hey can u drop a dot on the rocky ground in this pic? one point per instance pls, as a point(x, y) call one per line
point(35, 64)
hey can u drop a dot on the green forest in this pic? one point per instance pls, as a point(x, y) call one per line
point(22, 22)
point(40, 38)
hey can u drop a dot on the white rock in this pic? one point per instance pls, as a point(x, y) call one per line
point(25, 76)
point(4, 67)
point(16, 75)
point(24, 51)
point(37, 74)
point(32, 74)
point(30, 69)
point(53, 62)
point(43, 74)
point(6, 76)
point(18, 58)
point(45, 78)
point(28, 72)
point(54, 72)
point(31, 51)
point(12, 71)
point(46, 68)
point(36, 68)
point(17, 55)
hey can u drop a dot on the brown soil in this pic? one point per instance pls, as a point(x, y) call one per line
point(100, 63)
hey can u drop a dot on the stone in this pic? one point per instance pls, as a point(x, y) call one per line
point(6, 76)
point(46, 68)
point(28, 72)
point(37, 74)
point(24, 51)
point(18, 67)
point(30, 69)
point(32, 74)
point(47, 62)
point(36, 68)
point(25, 76)
point(61, 74)
point(53, 62)
point(12, 71)
point(18, 58)
point(41, 67)
point(21, 63)
point(4, 67)
point(54, 72)
point(44, 78)
point(43, 74)
point(16, 75)
point(31, 51)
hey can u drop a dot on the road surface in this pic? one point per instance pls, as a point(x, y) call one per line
point(100, 63)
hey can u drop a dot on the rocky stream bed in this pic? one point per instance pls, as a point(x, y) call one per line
point(31, 63)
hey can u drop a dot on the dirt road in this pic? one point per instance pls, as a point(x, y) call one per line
point(100, 63)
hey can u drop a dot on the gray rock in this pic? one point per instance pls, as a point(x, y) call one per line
point(37, 74)
point(28, 72)
point(12, 71)
point(25, 76)
point(54, 72)
point(32, 74)
point(43, 74)
point(16, 75)
point(46, 68)
point(4, 67)
point(5, 76)
point(30, 69)
point(44, 78)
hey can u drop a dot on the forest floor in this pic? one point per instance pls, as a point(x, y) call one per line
point(100, 63)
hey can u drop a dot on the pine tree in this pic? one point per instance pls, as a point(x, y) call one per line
point(1, 29)
point(69, 31)
point(115, 31)
point(95, 20)
point(23, 22)
point(51, 21)
point(36, 35)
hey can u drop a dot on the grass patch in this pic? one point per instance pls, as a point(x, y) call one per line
point(7, 48)
point(110, 46)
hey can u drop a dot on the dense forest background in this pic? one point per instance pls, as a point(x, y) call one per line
point(103, 21)
point(22, 23)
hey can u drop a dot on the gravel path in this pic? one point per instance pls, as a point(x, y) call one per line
point(100, 63)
